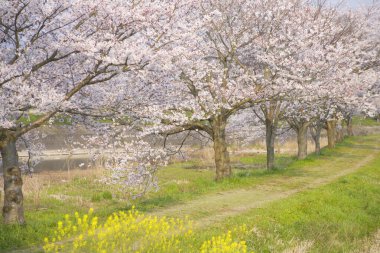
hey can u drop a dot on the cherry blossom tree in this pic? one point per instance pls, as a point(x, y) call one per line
point(288, 55)
point(334, 73)
point(277, 23)
point(55, 53)
point(351, 95)
point(208, 81)
point(312, 55)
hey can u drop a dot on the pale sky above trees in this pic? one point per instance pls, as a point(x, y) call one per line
point(354, 3)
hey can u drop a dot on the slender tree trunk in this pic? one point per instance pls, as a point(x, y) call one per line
point(350, 131)
point(316, 134)
point(222, 158)
point(270, 138)
point(331, 130)
point(13, 210)
point(339, 133)
point(302, 141)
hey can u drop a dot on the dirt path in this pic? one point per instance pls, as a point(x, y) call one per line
point(213, 208)
point(371, 244)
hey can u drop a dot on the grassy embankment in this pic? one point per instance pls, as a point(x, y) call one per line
point(337, 214)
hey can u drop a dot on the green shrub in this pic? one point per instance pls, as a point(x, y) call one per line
point(107, 195)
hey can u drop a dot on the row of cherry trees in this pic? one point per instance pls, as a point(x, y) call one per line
point(158, 68)
point(296, 61)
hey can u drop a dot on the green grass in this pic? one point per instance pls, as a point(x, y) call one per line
point(259, 160)
point(61, 119)
point(364, 121)
point(313, 215)
point(178, 183)
point(58, 120)
point(336, 218)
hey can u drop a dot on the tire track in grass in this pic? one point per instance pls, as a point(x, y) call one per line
point(216, 207)
point(213, 208)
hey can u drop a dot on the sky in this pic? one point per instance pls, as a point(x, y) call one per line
point(354, 3)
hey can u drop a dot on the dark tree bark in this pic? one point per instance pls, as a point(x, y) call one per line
point(350, 131)
point(302, 140)
point(271, 114)
point(331, 130)
point(300, 126)
point(339, 132)
point(13, 210)
point(222, 158)
point(316, 135)
point(270, 129)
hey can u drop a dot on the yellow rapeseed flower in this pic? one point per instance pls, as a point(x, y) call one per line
point(133, 232)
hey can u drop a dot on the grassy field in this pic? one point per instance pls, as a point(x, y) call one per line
point(337, 217)
point(329, 203)
point(364, 121)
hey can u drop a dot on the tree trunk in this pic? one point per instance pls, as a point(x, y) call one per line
point(270, 138)
point(331, 129)
point(339, 132)
point(350, 131)
point(13, 210)
point(302, 141)
point(316, 134)
point(222, 158)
